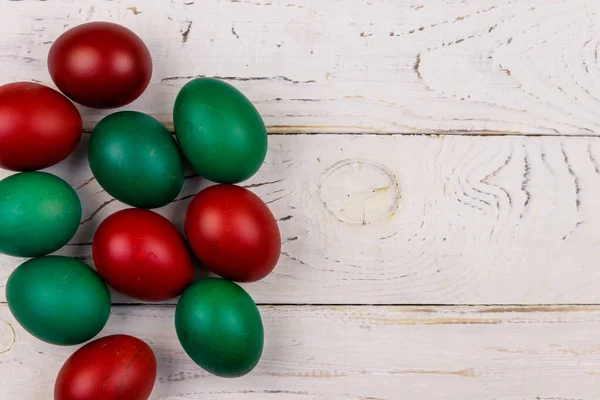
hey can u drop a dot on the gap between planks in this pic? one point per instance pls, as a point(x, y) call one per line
point(276, 132)
point(435, 134)
point(496, 307)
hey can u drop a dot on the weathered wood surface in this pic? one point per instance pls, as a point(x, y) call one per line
point(490, 66)
point(410, 219)
point(367, 217)
point(355, 353)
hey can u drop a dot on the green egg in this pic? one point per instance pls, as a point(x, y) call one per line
point(136, 160)
point(219, 327)
point(58, 299)
point(39, 214)
point(219, 131)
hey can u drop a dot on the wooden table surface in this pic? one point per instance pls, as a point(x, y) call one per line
point(434, 166)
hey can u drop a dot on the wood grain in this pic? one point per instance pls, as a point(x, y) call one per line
point(409, 219)
point(371, 215)
point(488, 66)
point(355, 353)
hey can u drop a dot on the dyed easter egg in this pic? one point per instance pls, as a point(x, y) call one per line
point(39, 127)
point(140, 253)
point(39, 214)
point(219, 130)
point(219, 327)
point(233, 233)
point(100, 64)
point(136, 160)
point(115, 367)
point(58, 299)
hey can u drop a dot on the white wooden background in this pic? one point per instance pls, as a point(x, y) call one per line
point(434, 166)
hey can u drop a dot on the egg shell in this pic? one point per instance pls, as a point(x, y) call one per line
point(100, 64)
point(39, 214)
point(219, 327)
point(116, 367)
point(141, 254)
point(219, 130)
point(233, 233)
point(58, 299)
point(39, 127)
point(136, 160)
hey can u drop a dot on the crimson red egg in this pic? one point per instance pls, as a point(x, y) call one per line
point(111, 368)
point(100, 65)
point(233, 233)
point(141, 254)
point(39, 127)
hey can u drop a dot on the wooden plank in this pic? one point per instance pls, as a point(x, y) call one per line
point(483, 66)
point(352, 353)
point(410, 219)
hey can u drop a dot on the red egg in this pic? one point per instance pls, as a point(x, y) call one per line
point(111, 368)
point(233, 233)
point(141, 254)
point(39, 127)
point(100, 65)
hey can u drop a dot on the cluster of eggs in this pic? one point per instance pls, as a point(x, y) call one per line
point(136, 251)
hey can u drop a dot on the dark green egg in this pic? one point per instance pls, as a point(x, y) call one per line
point(136, 160)
point(219, 327)
point(219, 131)
point(58, 299)
point(39, 214)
